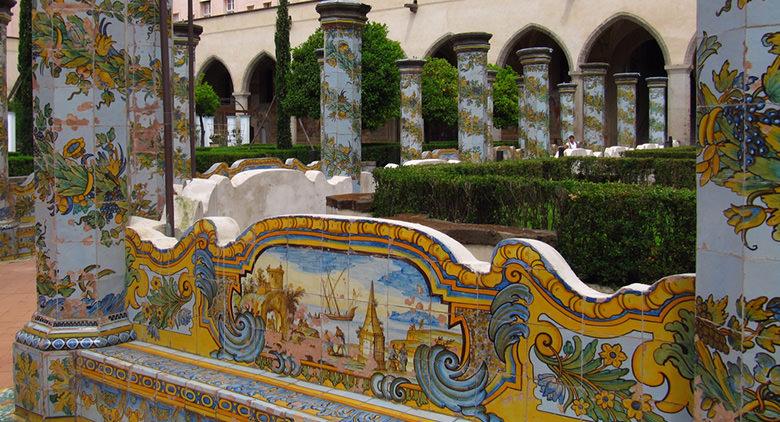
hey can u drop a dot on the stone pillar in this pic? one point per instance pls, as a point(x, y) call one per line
point(626, 108)
point(490, 132)
point(521, 135)
point(342, 23)
point(738, 247)
point(83, 184)
point(180, 70)
point(320, 53)
point(567, 92)
point(594, 110)
point(656, 88)
point(679, 104)
point(412, 128)
point(242, 110)
point(579, 118)
point(7, 220)
point(536, 64)
point(471, 49)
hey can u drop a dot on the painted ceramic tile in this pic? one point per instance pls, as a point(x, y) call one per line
point(6, 212)
point(521, 129)
point(412, 130)
point(566, 92)
point(342, 101)
point(182, 166)
point(536, 102)
point(472, 104)
point(594, 109)
point(656, 88)
point(626, 109)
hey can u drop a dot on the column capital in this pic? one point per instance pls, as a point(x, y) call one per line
point(467, 41)
point(657, 82)
point(590, 69)
point(491, 75)
point(629, 78)
point(567, 87)
point(535, 55)
point(678, 68)
point(181, 33)
point(340, 12)
point(5, 11)
point(410, 66)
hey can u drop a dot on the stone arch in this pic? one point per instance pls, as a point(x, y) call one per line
point(609, 23)
point(628, 44)
point(508, 50)
point(258, 83)
point(218, 75)
point(690, 52)
point(442, 48)
point(534, 35)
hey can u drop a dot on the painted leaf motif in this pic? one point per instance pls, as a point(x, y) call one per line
point(725, 78)
point(769, 337)
point(745, 217)
point(772, 40)
point(753, 310)
point(771, 81)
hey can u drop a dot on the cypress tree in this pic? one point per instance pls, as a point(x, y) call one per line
point(282, 39)
point(22, 104)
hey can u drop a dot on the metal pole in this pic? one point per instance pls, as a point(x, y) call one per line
point(191, 63)
point(167, 112)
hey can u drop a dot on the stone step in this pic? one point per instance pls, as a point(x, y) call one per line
point(220, 390)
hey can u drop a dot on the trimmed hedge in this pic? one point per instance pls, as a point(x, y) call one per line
point(689, 152)
point(611, 234)
point(19, 164)
point(382, 153)
point(676, 173)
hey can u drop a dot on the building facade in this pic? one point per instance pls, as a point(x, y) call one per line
point(654, 39)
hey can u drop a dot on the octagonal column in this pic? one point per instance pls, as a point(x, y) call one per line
point(84, 192)
point(471, 49)
point(412, 129)
point(490, 132)
point(182, 127)
point(7, 221)
point(342, 24)
point(656, 88)
point(536, 64)
point(567, 91)
point(626, 108)
point(521, 136)
point(594, 110)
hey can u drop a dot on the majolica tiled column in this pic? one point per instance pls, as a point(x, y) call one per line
point(320, 53)
point(412, 129)
point(7, 223)
point(656, 88)
point(536, 67)
point(471, 49)
point(182, 150)
point(626, 108)
point(594, 105)
point(521, 135)
point(567, 91)
point(342, 23)
point(737, 308)
point(491, 128)
point(83, 75)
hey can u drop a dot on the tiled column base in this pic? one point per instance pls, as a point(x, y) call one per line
point(8, 248)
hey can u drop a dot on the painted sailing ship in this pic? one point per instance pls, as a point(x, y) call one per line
point(333, 310)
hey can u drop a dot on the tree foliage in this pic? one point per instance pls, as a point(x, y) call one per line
point(206, 104)
point(505, 95)
point(381, 91)
point(23, 102)
point(440, 92)
point(282, 40)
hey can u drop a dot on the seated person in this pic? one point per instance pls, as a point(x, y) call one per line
point(571, 144)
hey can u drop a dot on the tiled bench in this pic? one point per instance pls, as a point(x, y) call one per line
point(142, 380)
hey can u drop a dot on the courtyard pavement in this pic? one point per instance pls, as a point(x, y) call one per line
point(17, 304)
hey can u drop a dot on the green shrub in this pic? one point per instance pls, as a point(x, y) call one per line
point(430, 146)
point(611, 234)
point(676, 173)
point(19, 164)
point(678, 152)
point(381, 153)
